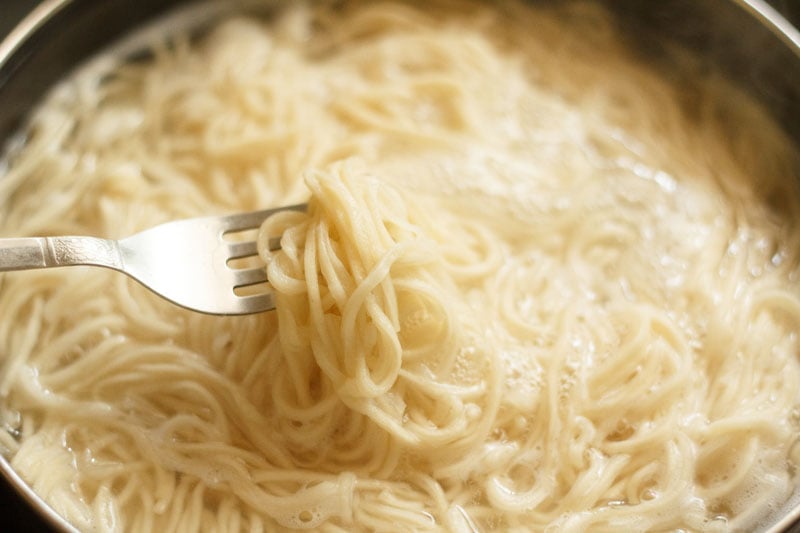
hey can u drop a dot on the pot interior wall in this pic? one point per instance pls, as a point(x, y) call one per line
point(74, 32)
point(722, 31)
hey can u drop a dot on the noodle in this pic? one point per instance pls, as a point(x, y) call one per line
point(537, 287)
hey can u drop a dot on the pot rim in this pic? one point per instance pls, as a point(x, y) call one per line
point(769, 17)
point(764, 13)
point(772, 19)
point(27, 26)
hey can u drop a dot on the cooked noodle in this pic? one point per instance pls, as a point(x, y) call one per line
point(537, 285)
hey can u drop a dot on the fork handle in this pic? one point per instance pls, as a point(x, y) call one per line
point(45, 252)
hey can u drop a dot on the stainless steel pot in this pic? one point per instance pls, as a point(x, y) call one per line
point(747, 39)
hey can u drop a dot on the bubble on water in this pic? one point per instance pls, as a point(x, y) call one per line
point(302, 518)
point(523, 379)
point(312, 506)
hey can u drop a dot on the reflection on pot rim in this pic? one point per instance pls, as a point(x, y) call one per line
point(50, 9)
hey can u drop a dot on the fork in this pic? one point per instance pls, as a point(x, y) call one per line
point(188, 262)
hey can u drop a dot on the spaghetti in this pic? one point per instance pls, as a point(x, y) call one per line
point(538, 286)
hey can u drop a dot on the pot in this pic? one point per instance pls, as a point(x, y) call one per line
point(747, 39)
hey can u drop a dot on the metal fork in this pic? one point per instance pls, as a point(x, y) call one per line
point(185, 261)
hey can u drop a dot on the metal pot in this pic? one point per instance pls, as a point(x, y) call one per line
point(747, 39)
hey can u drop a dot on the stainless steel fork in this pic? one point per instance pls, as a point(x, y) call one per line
point(188, 262)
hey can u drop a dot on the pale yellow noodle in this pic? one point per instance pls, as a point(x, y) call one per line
point(538, 286)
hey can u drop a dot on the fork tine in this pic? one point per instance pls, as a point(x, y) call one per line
point(257, 303)
point(242, 249)
point(250, 276)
